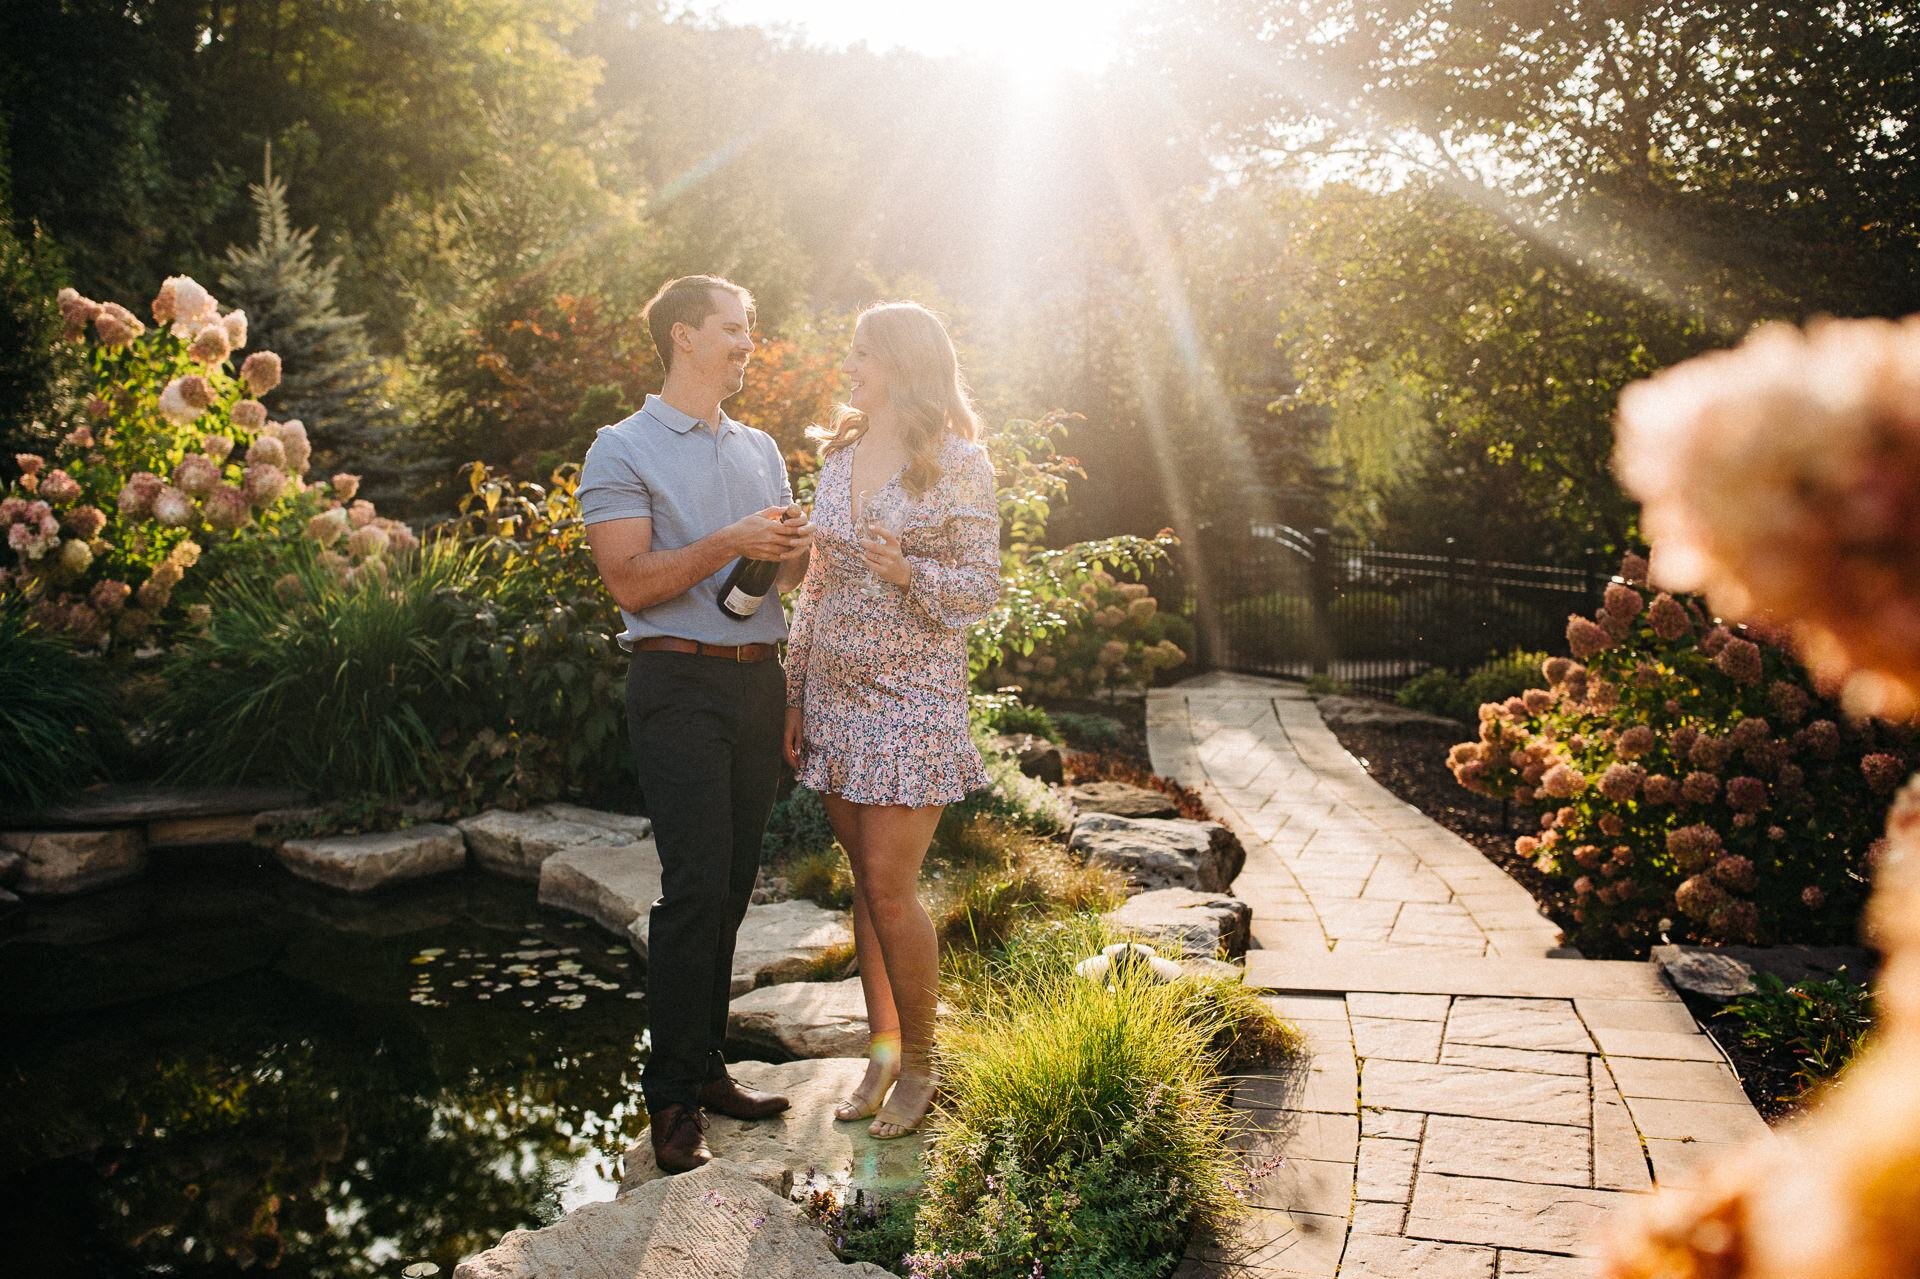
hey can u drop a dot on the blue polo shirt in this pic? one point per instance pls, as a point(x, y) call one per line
point(690, 479)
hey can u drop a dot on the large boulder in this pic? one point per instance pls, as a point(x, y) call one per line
point(56, 862)
point(1198, 924)
point(517, 843)
point(804, 1141)
point(716, 1222)
point(611, 884)
point(802, 1019)
point(358, 863)
point(778, 942)
point(1037, 757)
point(1122, 799)
point(1154, 852)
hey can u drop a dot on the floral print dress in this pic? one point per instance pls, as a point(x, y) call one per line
point(882, 680)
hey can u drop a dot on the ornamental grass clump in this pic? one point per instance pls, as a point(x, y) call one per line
point(1691, 781)
point(57, 722)
point(1084, 1130)
point(344, 685)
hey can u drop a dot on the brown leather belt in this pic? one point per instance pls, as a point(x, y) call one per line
point(730, 652)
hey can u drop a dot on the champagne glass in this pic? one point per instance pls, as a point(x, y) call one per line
point(874, 511)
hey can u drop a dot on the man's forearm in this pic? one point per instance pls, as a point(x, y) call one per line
point(653, 577)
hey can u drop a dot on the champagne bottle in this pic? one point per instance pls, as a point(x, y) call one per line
point(746, 587)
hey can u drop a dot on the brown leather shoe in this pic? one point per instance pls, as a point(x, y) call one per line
point(724, 1096)
point(679, 1137)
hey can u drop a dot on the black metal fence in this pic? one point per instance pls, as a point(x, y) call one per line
point(1281, 601)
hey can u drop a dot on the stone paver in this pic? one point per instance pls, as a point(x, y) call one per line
point(1476, 1099)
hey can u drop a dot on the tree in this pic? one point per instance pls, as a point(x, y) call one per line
point(333, 383)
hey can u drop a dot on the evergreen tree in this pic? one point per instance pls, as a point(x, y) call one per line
point(333, 382)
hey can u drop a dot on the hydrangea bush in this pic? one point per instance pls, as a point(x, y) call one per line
point(1120, 639)
point(171, 454)
point(1691, 780)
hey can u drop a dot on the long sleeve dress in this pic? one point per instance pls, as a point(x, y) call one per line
point(882, 680)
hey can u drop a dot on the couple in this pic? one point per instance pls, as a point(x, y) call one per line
point(871, 711)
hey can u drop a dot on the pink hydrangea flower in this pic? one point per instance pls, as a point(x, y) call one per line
point(261, 372)
point(1634, 742)
point(1739, 660)
point(58, 486)
point(1623, 602)
point(1668, 620)
point(1621, 782)
point(1746, 794)
point(267, 451)
point(1660, 789)
point(172, 507)
point(1820, 739)
point(1693, 847)
point(1788, 701)
point(345, 486)
point(249, 415)
point(227, 507)
point(196, 474)
point(264, 484)
point(85, 522)
point(210, 345)
point(116, 326)
point(1735, 871)
point(1562, 781)
point(136, 496)
point(1883, 772)
point(1698, 897)
point(110, 596)
point(1585, 637)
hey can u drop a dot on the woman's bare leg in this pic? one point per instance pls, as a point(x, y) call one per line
point(883, 1022)
point(886, 871)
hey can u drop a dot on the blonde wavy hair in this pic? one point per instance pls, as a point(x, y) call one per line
point(925, 389)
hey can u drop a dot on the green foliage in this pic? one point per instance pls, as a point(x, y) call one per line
point(1042, 591)
point(537, 650)
point(1021, 801)
point(1809, 1030)
point(345, 690)
point(797, 827)
point(332, 383)
point(1328, 686)
point(58, 727)
point(34, 365)
point(1085, 732)
point(1440, 692)
point(1085, 1132)
point(1119, 639)
point(1006, 713)
point(1693, 781)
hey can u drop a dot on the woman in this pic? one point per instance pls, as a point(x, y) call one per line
point(877, 667)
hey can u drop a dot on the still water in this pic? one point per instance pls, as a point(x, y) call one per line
point(220, 1069)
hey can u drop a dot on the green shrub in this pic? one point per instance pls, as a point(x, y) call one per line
point(57, 721)
point(1006, 713)
point(1084, 1131)
point(821, 875)
point(1328, 686)
point(1090, 732)
point(1441, 692)
point(797, 827)
point(1694, 781)
point(1808, 1031)
point(342, 687)
point(1119, 638)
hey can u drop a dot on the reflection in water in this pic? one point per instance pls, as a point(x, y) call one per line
point(222, 1069)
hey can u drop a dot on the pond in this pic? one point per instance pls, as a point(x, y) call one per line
point(220, 1068)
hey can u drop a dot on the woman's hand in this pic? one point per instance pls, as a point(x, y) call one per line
point(881, 550)
point(793, 739)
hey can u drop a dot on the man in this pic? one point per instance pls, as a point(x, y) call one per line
point(672, 497)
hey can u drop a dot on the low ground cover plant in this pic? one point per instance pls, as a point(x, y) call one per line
point(1691, 781)
point(1806, 1032)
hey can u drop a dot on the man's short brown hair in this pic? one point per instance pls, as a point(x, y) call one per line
point(687, 300)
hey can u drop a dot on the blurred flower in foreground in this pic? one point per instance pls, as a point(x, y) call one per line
point(1782, 478)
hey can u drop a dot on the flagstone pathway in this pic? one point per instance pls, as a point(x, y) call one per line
point(1477, 1098)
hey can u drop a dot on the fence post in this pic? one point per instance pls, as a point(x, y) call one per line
point(1590, 567)
point(1320, 599)
point(1209, 651)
